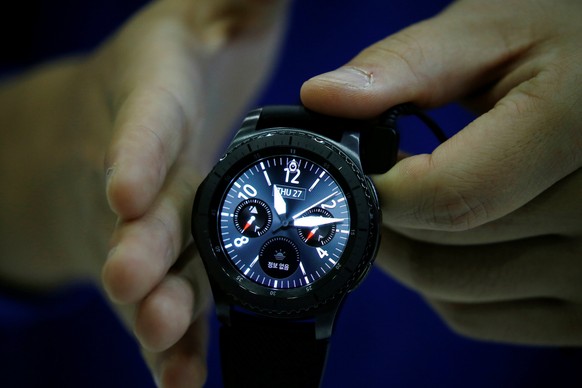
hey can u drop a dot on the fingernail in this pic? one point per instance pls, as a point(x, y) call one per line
point(111, 252)
point(350, 76)
point(109, 174)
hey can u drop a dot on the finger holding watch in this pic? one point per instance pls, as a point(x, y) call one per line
point(487, 227)
point(163, 75)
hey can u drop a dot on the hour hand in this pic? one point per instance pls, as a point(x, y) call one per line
point(280, 205)
point(312, 221)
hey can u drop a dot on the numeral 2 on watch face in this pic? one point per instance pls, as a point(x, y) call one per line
point(284, 221)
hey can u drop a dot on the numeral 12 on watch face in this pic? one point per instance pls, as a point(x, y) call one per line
point(284, 222)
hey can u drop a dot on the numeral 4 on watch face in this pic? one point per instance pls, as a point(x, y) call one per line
point(284, 221)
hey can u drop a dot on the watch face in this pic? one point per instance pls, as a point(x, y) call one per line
point(284, 221)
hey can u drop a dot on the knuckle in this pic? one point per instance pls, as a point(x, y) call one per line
point(147, 138)
point(449, 198)
point(118, 280)
point(169, 231)
point(459, 318)
point(453, 209)
point(424, 277)
point(157, 120)
point(524, 100)
point(438, 273)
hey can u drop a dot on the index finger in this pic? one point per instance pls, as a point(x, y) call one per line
point(526, 143)
point(495, 165)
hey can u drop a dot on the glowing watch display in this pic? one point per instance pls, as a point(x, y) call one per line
point(284, 222)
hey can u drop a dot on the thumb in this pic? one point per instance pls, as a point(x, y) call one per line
point(526, 143)
point(430, 63)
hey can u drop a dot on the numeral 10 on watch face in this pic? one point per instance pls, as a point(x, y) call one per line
point(284, 222)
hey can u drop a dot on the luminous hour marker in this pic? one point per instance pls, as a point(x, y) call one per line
point(314, 184)
point(265, 174)
point(321, 190)
point(267, 178)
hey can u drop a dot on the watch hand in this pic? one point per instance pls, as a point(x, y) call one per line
point(280, 205)
point(311, 221)
point(315, 204)
point(249, 223)
point(311, 233)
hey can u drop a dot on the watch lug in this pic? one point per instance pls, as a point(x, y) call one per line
point(325, 320)
point(248, 127)
point(223, 313)
point(350, 144)
point(221, 303)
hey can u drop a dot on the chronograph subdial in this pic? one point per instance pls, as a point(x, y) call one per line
point(279, 257)
point(253, 217)
point(318, 235)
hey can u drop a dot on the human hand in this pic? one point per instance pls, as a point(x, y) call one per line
point(488, 228)
point(174, 78)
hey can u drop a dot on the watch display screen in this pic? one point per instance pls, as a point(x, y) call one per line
point(284, 221)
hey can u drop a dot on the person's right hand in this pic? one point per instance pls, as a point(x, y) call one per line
point(171, 84)
point(487, 228)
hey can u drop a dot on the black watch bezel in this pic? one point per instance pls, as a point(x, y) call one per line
point(362, 243)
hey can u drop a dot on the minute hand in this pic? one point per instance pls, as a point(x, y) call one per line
point(311, 221)
point(314, 205)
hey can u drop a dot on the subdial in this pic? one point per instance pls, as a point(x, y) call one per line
point(319, 235)
point(252, 217)
point(279, 257)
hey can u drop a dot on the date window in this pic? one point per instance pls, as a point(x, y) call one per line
point(292, 192)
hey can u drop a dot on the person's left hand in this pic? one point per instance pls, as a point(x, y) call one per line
point(488, 228)
point(156, 104)
point(177, 76)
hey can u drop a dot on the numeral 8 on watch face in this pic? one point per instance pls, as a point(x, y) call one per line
point(284, 221)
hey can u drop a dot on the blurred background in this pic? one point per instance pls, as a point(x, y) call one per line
point(386, 336)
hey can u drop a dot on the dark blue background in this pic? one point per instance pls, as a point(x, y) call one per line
point(385, 337)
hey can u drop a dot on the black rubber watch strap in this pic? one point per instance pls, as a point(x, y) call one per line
point(257, 353)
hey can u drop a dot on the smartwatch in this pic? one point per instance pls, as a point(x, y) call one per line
point(287, 224)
